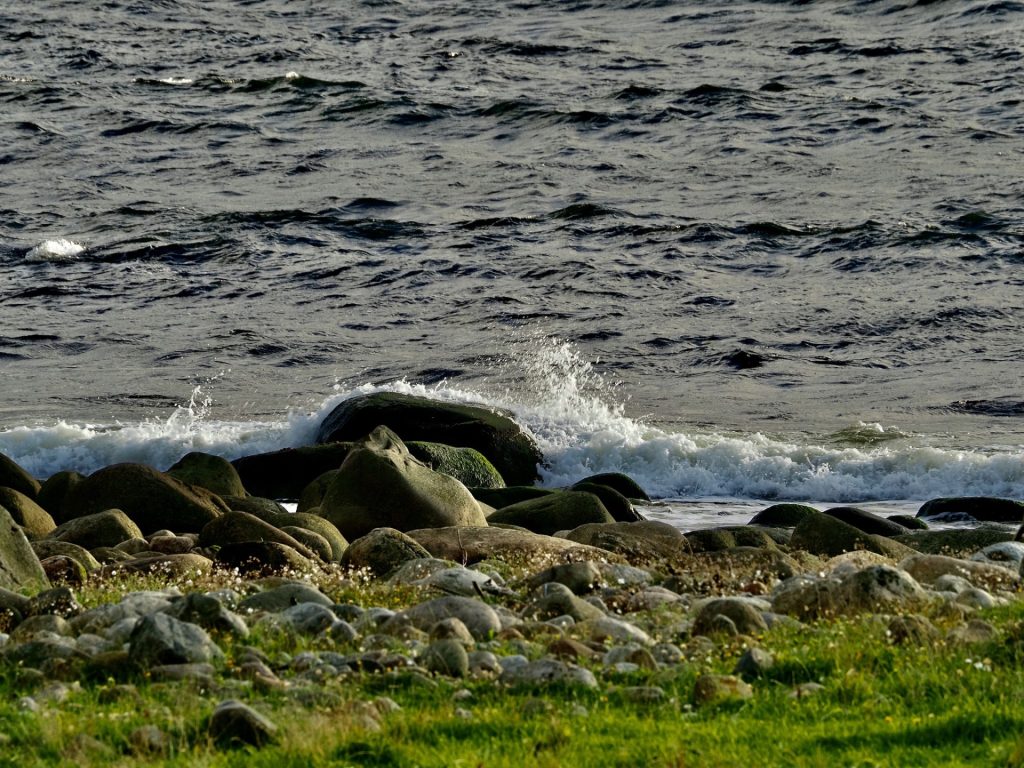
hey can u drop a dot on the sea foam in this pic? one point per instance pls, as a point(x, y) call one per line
point(60, 249)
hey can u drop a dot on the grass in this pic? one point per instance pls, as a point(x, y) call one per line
point(880, 705)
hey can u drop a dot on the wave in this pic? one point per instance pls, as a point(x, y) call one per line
point(57, 250)
point(578, 418)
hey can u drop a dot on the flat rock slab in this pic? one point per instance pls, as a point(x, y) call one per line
point(471, 544)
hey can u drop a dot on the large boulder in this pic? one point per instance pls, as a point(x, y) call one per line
point(617, 481)
point(644, 542)
point(467, 465)
point(150, 498)
point(238, 527)
point(213, 473)
point(786, 515)
point(928, 569)
point(822, 534)
point(382, 551)
point(19, 565)
point(557, 512)
point(382, 485)
point(54, 492)
point(499, 498)
point(618, 506)
point(12, 475)
point(284, 474)
point(866, 521)
point(979, 507)
point(35, 520)
point(954, 541)
point(473, 544)
point(494, 433)
point(103, 529)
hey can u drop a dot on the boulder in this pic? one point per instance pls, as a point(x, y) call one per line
point(19, 566)
point(557, 512)
point(237, 527)
point(47, 548)
point(380, 484)
point(494, 433)
point(382, 551)
point(446, 656)
point(745, 617)
point(954, 541)
point(822, 534)
point(647, 541)
point(979, 507)
point(162, 639)
point(102, 529)
point(481, 620)
point(866, 521)
point(284, 474)
point(278, 517)
point(234, 724)
point(618, 506)
point(556, 599)
point(54, 492)
point(806, 597)
point(189, 564)
point(927, 569)
point(617, 481)
point(500, 498)
point(580, 577)
point(213, 473)
point(473, 544)
point(879, 589)
point(313, 494)
point(783, 515)
point(312, 541)
point(467, 465)
point(150, 498)
point(13, 476)
point(33, 519)
point(727, 537)
point(255, 505)
point(908, 522)
point(209, 613)
point(712, 690)
point(261, 557)
point(278, 598)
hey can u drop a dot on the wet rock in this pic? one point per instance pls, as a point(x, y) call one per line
point(498, 498)
point(718, 539)
point(19, 565)
point(380, 484)
point(492, 433)
point(618, 506)
point(213, 473)
point(150, 498)
point(866, 521)
point(54, 492)
point(979, 507)
point(617, 481)
point(103, 529)
point(908, 522)
point(783, 515)
point(382, 551)
point(161, 639)
point(234, 724)
point(33, 519)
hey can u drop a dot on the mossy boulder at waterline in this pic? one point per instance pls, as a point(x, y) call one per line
point(12, 475)
point(381, 484)
point(35, 520)
point(150, 498)
point(492, 432)
point(618, 506)
point(557, 512)
point(619, 482)
point(284, 474)
point(213, 473)
point(866, 521)
point(499, 498)
point(467, 465)
point(19, 566)
point(821, 534)
point(727, 537)
point(986, 508)
point(102, 529)
point(783, 515)
point(54, 492)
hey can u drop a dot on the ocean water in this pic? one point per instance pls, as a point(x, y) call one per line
point(743, 251)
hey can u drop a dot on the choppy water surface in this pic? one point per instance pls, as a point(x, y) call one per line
point(744, 250)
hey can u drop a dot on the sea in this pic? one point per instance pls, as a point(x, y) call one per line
point(746, 252)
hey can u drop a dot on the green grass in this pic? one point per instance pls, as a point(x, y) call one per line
point(881, 705)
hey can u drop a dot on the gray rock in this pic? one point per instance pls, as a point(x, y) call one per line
point(754, 663)
point(821, 534)
point(308, 618)
point(718, 689)
point(161, 639)
point(747, 619)
point(458, 580)
point(235, 724)
point(928, 568)
point(284, 596)
point(545, 671)
point(208, 613)
point(446, 657)
point(806, 597)
point(479, 618)
point(974, 632)
point(879, 588)
point(557, 600)
point(582, 577)
point(912, 629)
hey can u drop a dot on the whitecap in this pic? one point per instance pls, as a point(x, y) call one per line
point(57, 250)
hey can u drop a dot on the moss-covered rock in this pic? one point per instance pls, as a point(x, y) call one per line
point(313, 494)
point(727, 537)
point(618, 506)
point(103, 529)
point(382, 551)
point(499, 498)
point(619, 482)
point(237, 527)
point(821, 534)
point(153, 500)
point(865, 521)
point(35, 520)
point(12, 475)
point(783, 515)
point(557, 512)
point(213, 473)
point(954, 541)
point(382, 485)
point(467, 465)
point(54, 492)
point(19, 566)
point(494, 433)
point(641, 543)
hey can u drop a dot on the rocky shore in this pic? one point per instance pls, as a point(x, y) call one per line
point(409, 556)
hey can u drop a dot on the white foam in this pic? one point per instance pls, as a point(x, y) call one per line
point(60, 249)
point(581, 430)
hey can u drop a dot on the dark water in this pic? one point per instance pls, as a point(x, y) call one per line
point(789, 235)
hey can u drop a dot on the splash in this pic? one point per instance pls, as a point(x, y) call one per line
point(57, 250)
